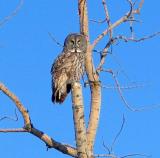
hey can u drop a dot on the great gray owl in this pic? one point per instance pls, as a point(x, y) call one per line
point(68, 66)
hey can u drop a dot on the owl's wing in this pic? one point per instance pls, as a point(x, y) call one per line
point(64, 61)
point(60, 70)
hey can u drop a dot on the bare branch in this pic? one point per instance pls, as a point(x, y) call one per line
point(13, 130)
point(92, 77)
point(104, 54)
point(137, 11)
point(83, 18)
point(51, 143)
point(131, 155)
point(110, 149)
point(99, 21)
point(94, 112)
point(107, 148)
point(118, 134)
point(18, 104)
point(7, 18)
point(66, 149)
point(105, 51)
point(54, 40)
point(126, 156)
point(123, 98)
point(126, 87)
point(127, 39)
point(117, 23)
point(105, 155)
point(131, 26)
point(10, 118)
point(107, 16)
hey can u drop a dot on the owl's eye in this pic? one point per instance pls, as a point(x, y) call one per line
point(78, 41)
point(72, 41)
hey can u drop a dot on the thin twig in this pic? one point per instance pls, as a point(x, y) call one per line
point(107, 148)
point(139, 7)
point(126, 156)
point(126, 87)
point(110, 149)
point(10, 118)
point(123, 98)
point(131, 27)
point(117, 23)
point(127, 39)
point(54, 40)
point(107, 17)
point(7, 18)
point(105, 155)
point(131, 155)
point(117, 60)
point(131, 20)
point(118, 134)
point(134, 20)
point(104, 54)
point(98, 21)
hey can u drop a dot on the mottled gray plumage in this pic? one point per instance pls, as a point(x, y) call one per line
point(68, 66)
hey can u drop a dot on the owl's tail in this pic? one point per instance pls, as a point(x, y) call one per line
point(58, 96)
point(58, 99)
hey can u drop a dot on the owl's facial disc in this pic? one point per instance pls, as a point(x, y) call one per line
point(75, 43)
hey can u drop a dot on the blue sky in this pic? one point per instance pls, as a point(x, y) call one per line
point(26, 56)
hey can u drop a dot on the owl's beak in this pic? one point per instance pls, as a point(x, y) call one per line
point(75, 48)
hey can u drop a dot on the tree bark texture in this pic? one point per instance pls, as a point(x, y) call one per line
point(79, 123)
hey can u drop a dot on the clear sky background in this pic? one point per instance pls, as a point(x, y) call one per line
point(27, 53)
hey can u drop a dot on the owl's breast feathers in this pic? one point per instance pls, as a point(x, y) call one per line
point(67, 68)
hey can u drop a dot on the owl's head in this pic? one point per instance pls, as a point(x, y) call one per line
point(75, 43)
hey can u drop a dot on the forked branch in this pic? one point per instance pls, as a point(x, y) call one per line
point(118, 22)
point(21, 108)
point(28, 127)
point(92, 77)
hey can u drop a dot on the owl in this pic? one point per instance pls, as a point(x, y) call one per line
point(68, 67)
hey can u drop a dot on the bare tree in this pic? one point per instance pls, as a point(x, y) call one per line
point(84, 136)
